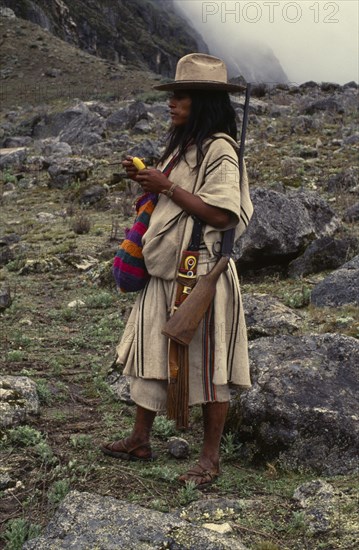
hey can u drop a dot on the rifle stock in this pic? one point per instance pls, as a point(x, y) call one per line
point(183, 324)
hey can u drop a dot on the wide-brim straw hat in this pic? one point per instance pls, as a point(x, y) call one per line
point(199, 71)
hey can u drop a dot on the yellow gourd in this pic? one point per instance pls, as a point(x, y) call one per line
point(140, 165)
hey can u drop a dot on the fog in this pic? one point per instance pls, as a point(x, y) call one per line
point(313, 40)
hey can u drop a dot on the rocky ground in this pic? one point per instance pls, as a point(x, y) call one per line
point(64, 206)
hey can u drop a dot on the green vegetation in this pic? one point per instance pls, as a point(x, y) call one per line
point(188, 493)
point(18, 531)
point(8, 177)
point(44, 392)
point(229, 447)
point(163, 428)
point(15, 356)
point(100, 299)
point(58, 491)
point(298, 299)
point(24, 436)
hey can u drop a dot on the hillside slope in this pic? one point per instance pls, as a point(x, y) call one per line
point(147, 33)
point(37, 68)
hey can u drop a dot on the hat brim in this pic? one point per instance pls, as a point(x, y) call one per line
point(200, 85)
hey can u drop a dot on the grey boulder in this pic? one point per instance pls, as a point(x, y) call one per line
point(340, 288)
point(322, 254)
point(65, 171)
point(77, 125)
point(18, 400)
point(5, 298)
point(330, 104)
point(319, 502)
point(302, 406)
point(282, 226)
point(345, 181)
point(352, 213)
point(85, 521)
point(267, 316)
point(12, 156)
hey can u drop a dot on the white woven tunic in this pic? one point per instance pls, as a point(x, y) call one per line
point(218, 353)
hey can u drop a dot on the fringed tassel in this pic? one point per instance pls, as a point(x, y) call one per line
point(178, 389)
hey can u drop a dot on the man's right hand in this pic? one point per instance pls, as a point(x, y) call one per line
point(130, 168)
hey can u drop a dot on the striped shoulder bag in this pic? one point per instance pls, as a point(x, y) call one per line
point(129, 268)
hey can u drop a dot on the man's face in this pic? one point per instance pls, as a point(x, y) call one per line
point(180, 108)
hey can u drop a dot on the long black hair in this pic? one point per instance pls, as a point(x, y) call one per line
point(211, 112)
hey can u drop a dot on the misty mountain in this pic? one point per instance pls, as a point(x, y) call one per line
point(249, 58)
point(144, 33)
point(255, 62)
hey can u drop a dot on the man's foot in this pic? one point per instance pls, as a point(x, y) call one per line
point(124, 450)
point(199, 475)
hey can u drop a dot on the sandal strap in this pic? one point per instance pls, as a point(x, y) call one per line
point(202, 473)
point(125, 449)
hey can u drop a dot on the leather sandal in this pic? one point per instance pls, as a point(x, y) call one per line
point(119, 449)
point(199, 473)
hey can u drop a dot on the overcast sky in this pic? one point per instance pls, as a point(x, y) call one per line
point(313, 40)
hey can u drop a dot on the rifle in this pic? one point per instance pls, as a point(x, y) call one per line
point(183, 324)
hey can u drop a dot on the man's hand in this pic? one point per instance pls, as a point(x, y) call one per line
point(153, 180)
point(130, 168)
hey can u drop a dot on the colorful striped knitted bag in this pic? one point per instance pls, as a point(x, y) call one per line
point(129, 268)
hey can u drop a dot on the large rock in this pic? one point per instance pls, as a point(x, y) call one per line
point(137, 111)
point(6, 254)
point(322, 254)
point(42, 265)
point(77, 125)
point(120, 385)
point(340, 287)
point(5, 298)
point(282, 226)
point(10, 249)
point(128, 116)
point(330, 104)
point(321, 506)
point(51, 148)
point(319, 502)
point(52, 124)
point(118, 119)
point(267, 316)
point(352, 213)
point(7, 12)
point(65, 171)
point(18, 141)
point(18, 400)
point(146, 149)
point(87, 521)
point(12, 156)
point(302, 406)
point(92, 195)
point(345, 181)
point(304, 124)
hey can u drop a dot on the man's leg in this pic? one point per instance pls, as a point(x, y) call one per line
point(143, 425)
point(150, 396)
point(137, 444)
point(214, 417)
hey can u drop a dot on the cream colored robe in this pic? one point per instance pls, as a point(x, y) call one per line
point(218, 352)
